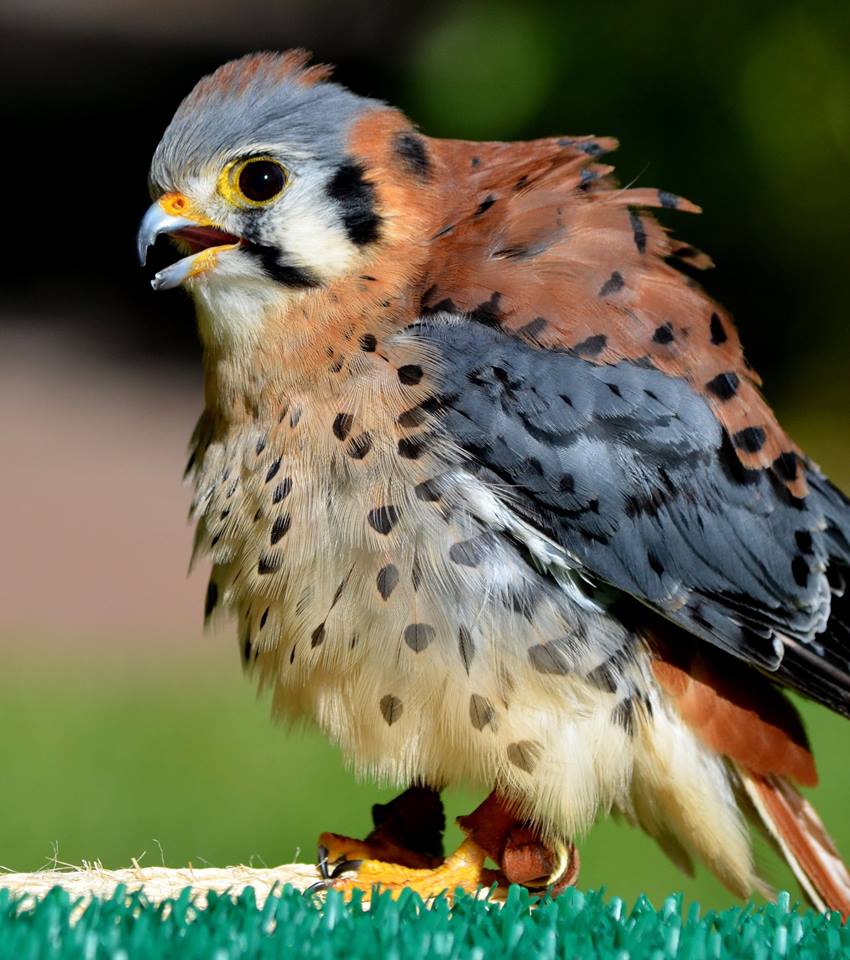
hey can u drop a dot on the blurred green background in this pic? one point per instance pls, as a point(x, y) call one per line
point(125, 733)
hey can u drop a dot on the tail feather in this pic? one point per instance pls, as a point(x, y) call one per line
point(794, 824)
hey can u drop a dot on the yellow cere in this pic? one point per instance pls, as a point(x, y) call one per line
point(177, 205)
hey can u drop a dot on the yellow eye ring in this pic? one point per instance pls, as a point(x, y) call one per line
point(253, 181)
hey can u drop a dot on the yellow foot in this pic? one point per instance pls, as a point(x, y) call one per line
point(464, 869)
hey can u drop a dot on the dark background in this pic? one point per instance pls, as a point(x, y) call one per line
point(127, 725)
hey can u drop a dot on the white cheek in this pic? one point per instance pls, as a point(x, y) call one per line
point(232, 300)
point(309, 229)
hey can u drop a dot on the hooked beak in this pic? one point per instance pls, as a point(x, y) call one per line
point(175, 215)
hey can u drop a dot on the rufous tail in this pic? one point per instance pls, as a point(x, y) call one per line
point(794, 824)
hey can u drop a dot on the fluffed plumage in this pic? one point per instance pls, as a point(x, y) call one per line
point(489, 485)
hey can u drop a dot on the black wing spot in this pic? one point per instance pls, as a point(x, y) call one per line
point(638, 229)
point(664, 334)
point(592, 346)
point(724, 386)
point(750, 439)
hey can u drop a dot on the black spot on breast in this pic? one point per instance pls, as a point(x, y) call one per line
point(663, 334)
point(391, 708)
point(427, 491)
point(413, 154)
point(272, 471)
point(342, 425)
point(264, 618)
point(317, 637)
point(613, 284)
point(465, 646)
point(414, 417)
point(383, 519)
point(261, 445)
point(524, 754)
point(638, 229)
point(280, 528)
point(724, 386)
point(418, 636)
point(750, 439)
point(604, 677)
point(268, 564)
point(282, 490)
point(718, 331)
point(412, 448)
point(592, 346)
point(549, 658)
point(481, 712)
point(359, 446)
point(368, 342)
point(356, 198)
point(410, 374)
point(469, 553)
point(623, 715)
point(387, 580)
point(211, 598)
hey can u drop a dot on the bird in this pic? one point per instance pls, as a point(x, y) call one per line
point(491, 492)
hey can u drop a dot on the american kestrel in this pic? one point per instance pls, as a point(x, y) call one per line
point(491, 490)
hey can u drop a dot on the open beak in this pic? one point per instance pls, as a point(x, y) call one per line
point(174, 214)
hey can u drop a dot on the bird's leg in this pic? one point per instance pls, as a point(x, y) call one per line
point(408, 831)
point(492, 830)
point(518, 848)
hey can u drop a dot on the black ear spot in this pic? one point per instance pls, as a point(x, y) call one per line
point(413, 154)
point(356, 197)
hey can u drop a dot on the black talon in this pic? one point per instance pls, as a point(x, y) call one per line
point(318, 887)
point(344, 866)
point(322, 856)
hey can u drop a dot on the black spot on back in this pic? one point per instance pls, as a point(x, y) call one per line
point(663, 334)
point(410, 374)
point(614, 283)
point(413, 154)
point(638, 229)
point(211, 598)
point(718, 331)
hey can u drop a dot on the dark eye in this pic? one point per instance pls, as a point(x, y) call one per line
point(261, 180)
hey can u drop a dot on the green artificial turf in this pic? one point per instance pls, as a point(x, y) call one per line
point(576, 925)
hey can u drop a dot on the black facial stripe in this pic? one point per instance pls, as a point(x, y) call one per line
point(356, 197)
point(284, 273)
point(413, 154)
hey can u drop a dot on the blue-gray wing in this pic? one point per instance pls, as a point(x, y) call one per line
point(630, 472)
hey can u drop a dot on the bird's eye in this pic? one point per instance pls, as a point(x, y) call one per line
point(254, 182)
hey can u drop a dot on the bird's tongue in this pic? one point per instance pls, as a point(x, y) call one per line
point(200, 238)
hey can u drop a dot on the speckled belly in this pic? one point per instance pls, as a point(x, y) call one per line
point(386, 599)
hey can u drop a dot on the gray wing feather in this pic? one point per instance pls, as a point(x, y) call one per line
point(628, 470)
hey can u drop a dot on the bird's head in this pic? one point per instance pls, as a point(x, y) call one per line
point(269, 179)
